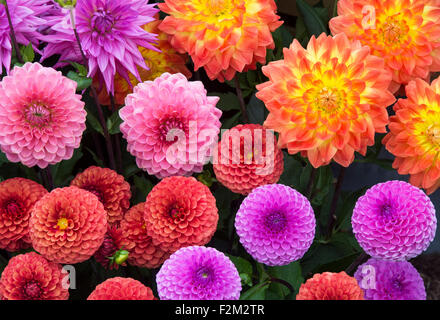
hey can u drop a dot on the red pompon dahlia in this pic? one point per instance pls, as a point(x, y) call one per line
point(330, 286)
point(328, 100)
point(31, 277)
point(68, 225)
point(224, 37)
point(142, 252)
point(121, 289)
point(110, 188)
point(180, 212)
point(17, 198)
point(109, 247)
point(248, 157)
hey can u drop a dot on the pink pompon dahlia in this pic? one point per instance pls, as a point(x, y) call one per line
point(224, 37)
point(31, 277)
point(198, 273)
point(26, 20)
point(110, 32)
point(42, 119)
point(390, 280)
point(68, 225)
point(17, 199)
point(170, 125)
point(276, 224)
point(121, 289)
point(394, 221)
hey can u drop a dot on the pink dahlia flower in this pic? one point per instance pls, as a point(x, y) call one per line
point(26, 20)
point(42, 119)
point(170, 125)
point(394, 221)
point(110, 33)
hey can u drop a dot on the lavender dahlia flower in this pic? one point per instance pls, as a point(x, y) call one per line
point(394, 221)
point(26, 20)
point(276, 224)
point(110, 32)
point(390, 280)
point(198, 273)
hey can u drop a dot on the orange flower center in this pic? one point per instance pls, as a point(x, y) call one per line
point(433, 134)
point(63, 224)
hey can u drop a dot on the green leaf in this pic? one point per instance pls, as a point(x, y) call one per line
point(95, 157)
point(256, 110)
point(244, 268)
point(232, 121)
point(292, 171)
point(93, 122)
point(257, 292)
point(82, 70)
point(82, 81)
point(228, 101)
point(313, 22)
point(27, 53)
point(143, 187)
point(113, 123)
point(335, 8)
point(290, 273)
point(62, 171)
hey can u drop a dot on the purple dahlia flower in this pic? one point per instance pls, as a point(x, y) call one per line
point(390, 280)
point(26, 20)
point(394, 220)
point(110, 32)
point(198, 273)
point(276, 224)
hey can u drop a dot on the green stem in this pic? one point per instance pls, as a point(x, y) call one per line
point(241, 99)
point(13, 38)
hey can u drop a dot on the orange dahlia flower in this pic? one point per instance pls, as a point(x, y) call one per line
point(330, 286)
point(414, 136)
point(110, 188)
point(327, 101)
point(17, 198)
point(121, 289)
point(167, 60)
point(137, 241)
point(406, 33)
point(111, 244)
point(68, 225)
point(180, 212)
point(222, 36)
point(31, 277)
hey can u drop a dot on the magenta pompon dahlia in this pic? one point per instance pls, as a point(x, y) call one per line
point(170, 125)
point(110, 33)
point(26, 20)
point(276, 224)
point(42, 119)
point(198, 273)
point(390, 280)
point(394, 220)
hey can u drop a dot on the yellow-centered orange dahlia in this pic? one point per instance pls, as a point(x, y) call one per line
point(414, 136)
point(327, 101)
point(17, 198)
point(167, 60)
point(110, 188)
point(406, 33)
point(223, 36)
point(143, 253)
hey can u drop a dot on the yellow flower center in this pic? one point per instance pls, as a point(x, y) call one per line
point(393, 30)
point(433, 134)
point(327, 100)
point(62, 223)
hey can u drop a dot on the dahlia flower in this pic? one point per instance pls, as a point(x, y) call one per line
point(198, 273)
point(180, 212)
point(143, 253)
point(121, 289)
point(111, 244)
point(170, 125)
point(31, 277)
point(110, 188)
point(276, 224)
point(330, 286)
point(26, 20)
point(68, 225)
point(248, 157)
point(110, 32)
point(390, 280)
point(17, 198)
point(327, 101)
point(222, 36)
point(405, 33)
point(158, 62)
point(394, 221)
point(414, 136)
point(39, 125)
